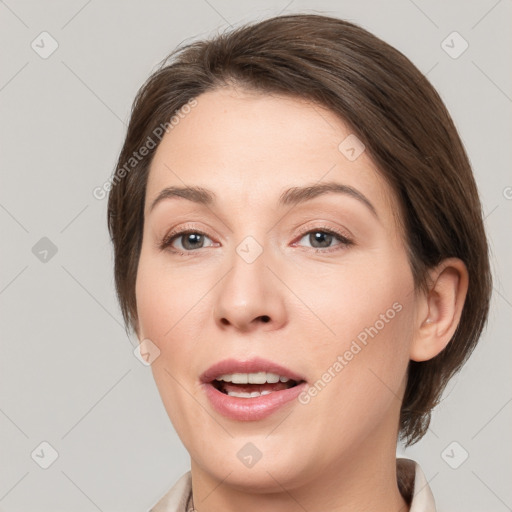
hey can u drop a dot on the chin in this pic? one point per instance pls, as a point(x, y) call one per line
point(274, 469)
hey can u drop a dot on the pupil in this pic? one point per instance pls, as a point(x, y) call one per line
point(319, 235)
point(192, 237)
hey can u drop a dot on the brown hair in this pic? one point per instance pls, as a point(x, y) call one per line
point(389, 105)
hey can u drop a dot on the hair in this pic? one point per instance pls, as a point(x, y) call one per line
point(390, 106)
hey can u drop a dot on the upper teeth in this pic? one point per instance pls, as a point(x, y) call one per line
point(252, 378)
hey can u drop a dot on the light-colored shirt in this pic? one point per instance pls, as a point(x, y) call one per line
point(422, 500)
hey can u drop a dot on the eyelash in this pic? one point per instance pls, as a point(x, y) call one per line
point(166, 242)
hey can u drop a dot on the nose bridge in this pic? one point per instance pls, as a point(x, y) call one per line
point(249, 295)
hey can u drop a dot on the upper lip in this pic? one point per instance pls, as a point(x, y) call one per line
point(229, 366)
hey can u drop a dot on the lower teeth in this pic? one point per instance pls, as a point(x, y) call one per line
point(254, 394)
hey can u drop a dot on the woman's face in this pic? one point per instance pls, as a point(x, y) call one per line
point(314, 287)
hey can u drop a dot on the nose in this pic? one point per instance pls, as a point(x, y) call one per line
point(250, 296)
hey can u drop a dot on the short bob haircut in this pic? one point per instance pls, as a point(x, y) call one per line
point(391, 107)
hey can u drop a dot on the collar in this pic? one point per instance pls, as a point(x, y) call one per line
point(412, 483)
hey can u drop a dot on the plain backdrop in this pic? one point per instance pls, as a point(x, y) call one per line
point(68, 377)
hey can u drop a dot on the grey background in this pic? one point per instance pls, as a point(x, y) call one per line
point(68, 375)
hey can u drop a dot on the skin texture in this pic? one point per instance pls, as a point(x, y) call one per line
point(336, 452)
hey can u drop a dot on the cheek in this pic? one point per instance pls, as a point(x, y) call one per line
point(364, 352)
point(172, 307)
point(165, 298)
point(166, 312)
point(356, 301)
point(358, 379)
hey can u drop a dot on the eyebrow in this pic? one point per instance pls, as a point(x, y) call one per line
point(291, 196)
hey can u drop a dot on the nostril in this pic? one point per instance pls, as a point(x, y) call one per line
point(265, 318)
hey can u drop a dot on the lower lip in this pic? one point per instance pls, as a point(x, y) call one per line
point(251, 409)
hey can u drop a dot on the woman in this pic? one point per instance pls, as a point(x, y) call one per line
point(299, 248)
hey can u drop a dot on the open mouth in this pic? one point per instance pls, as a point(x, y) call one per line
point(252, 385)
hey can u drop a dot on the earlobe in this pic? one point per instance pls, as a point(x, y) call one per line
point(442, 308)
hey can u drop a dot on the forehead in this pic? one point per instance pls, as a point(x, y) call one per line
point(249, 147)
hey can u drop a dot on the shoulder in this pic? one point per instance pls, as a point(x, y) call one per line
point(414, 486)
point(175, 500)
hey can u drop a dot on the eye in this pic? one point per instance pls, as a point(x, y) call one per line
point(323, 238)
point(189, 241)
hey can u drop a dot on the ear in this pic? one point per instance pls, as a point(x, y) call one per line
point(440, 309)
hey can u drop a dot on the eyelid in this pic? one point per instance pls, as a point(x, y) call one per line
point(343, 240)
point(342, 233)
point(175, 233)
